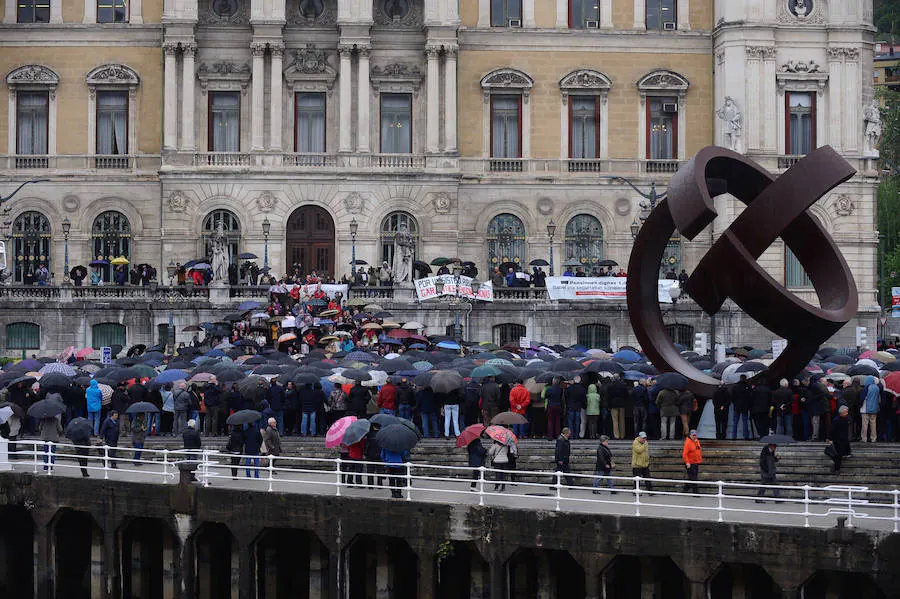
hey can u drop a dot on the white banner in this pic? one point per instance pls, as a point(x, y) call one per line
point(427, 289)
point(599, 288)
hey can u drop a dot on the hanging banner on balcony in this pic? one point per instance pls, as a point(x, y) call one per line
point(427, 288)
point(598, 288)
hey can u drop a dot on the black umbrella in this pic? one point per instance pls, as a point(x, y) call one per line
point(27, 380)
point(46, 408)
point(305, 378)
point(422, 267)
point(862, 369)
point(356, 431)
point(607, 263)
point(383, 420)
point(79, 430)
point(359, 262)
point(243, 417)
point(507, 265)
point(267, 369)
point(142, 407)
point(605, 366)
point(566, 365)
point(672, 380)
point(509, 418)
point(777, 440)
point(79, 272)
point(539, 262)
point(398, 364)
point(396, 437)
point(356, 375)
point(55, 382)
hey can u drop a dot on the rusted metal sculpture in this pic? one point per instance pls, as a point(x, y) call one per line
point(776, 207)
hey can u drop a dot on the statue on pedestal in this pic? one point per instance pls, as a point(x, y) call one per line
point(872, 117)
point(219, 245)
point(404, 249)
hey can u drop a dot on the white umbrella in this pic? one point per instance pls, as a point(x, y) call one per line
point(289, 322)
point(260, 316)
point(6, 413)
point(413, 326)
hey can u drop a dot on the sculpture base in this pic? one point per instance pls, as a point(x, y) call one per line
point(404, 292)
point(219, 293)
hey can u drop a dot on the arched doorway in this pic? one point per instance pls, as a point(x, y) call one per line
point(310, 241)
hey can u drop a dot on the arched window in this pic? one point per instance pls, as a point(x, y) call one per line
point(584, 241)
point(107, 334)
point(682, 334)
point(389, 227)
point(795, 275)
point(111, 238)
point(506, 242)
point(230, 225)
point(23, 335)
point(508, 333)
point(594, 336)
point(31, 245)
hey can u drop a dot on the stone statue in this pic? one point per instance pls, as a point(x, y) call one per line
point(404, 247)
point(219, 245)
point(801, 8)
point(734, 123)
point(872, 117)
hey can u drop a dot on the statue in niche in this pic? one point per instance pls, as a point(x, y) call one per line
point(396, 9)
point(872, 117)
point(404, 248)
point(219, 247)
point(801, 8)
point(734, 123)
point(311, 9)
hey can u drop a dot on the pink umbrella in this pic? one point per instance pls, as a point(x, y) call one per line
point(501, 435)
point(84, 352)
point(66, 354)
point(203, 377)
point(336, 433)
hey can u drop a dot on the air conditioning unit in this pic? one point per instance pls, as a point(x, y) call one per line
point(669, 26)
point(670, 108)
point(592, 24)
point(514, 23)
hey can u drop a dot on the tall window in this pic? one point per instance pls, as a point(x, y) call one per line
point(502, 11)
point(230, 225)
point(107, 334)
point(112, 122)
point(506, 126)
point(661, 14)
point(584, 241)
point(112, 11)
point(584, 121)
point(794, 274)
point(506, 242)
point(683, 334)
point(111, 238)
point(33, 11)
point(593, 336)
point(800, 124)
point(23, 335)
point(224, 122)
point(662, 123)
point(31, 245)
point(396, 124)
point(309, 135)
point(32, 110)
point(389, 227)
point(582, 11)
point(508, 333)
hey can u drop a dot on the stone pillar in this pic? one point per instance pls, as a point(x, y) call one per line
point(770, 139)
point(98, 584)
point(498, 578)
point(170, 94)
point(479, 585)
point(835, 93)
point(257, 111)
point(318, 570)
point(187, 97)
point(698, 590)
point(384, 575)
point(170, 579)
point(242, 568)
point(450, 99)
point(426, 573)
point(433, 99)
point(43, 557)
point(335, 574)
point(269, 570)
point(546, 578)
point(752, 116)
point(363, 101)
point(852, 100)
point(275, 99)
point(346, 84)
point(137, 559)
point(650, 587)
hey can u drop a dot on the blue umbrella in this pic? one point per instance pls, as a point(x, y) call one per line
point(214, 353)
point(633, 375)
point(418, 346)
point(626, 356)
point(423, 366)
point(448, 345)
point(384, 339)
point(201, 266)
point(98, 263)
point(247, 256)
point(191, 263)
point(170, 376)
point(248, 305)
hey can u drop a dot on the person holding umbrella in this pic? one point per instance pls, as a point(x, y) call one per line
point(109, 430)
point(51, 429)
point(767, 468)
point(839, 438)
point(499, 454)
point(252, 443)
point(234, 446)
point(471, 440)
point(138, 435)
point(562, 455)
point(395, 441)
point(79, 432)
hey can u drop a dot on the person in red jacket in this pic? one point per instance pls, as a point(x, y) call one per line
point(355, 453)
point(692, 456)
point(519, 400)
point(387, 398)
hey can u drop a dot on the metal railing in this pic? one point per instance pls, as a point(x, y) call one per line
point(82, 162)
point(789, 505)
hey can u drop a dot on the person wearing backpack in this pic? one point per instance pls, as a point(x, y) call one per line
point(181, 399)
point(499, 454)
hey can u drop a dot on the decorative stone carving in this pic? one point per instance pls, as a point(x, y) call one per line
point(794, 66)
point(843, 205)
point(71, 203)
point(224, 12)
point(872, 120)
point(258, 48)
point(666, 82)
point(224, 67)
point(506, 80)
point(353, 202)
point(800, 11)
point(800, 8)
point(734, 124)
point(761, 52)
point(801, 75)
point(309, 59)
point(442, 202)
point(398, 13)
point(623, 206)
point(113, 74)
point(309, 70)
point(266, 201)
point(720, 57)
point(545, 206)
point(838, 54)
point(312, 13)
point(396, 78)
point(584, 81)
point(31, 74)
point(397, 70)
point(177, 202)
point(223, 74)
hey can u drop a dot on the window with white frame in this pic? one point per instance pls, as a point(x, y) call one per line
point(584, 12)
point(663, 123)
point(662, 128)
point(506, 13)
point(584, 127)
point(224, 121)
point(112, 113)
point(309, 134)
point(32, 117)
point(584, 101)
point(506, 118)
point(661, 15)
point(396, 123)
point(506, 126)
point(112, 122)
point(32, 106)
point(800, 122)
point(112, 11)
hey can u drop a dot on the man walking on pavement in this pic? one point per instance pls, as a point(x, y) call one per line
point(640, 458)
point(604, 464)
point(109, 430)
point(692, 455)
point(767, 469)
point(563, 451)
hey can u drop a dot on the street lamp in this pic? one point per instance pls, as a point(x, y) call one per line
point(66, 227)
point(267, 227)
point(170, 269)
point(354, 227)
point(551, 231)
point(458, 300)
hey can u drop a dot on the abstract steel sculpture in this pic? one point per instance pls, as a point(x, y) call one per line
point(776, 207)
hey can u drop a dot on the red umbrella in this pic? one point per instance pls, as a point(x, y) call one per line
point(418, 338)
point(84, 352)
point(399, 334)
point(335, 434)
point(892, 383)
point(501, 435)
point(471, 433)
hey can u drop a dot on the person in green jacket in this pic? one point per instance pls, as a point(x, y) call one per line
point(593, 411)
point(640, 458)
point(667, 400)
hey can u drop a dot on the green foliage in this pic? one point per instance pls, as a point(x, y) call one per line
point(887, 17)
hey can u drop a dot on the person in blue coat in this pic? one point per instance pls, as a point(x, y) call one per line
point(477, 454)
point(94, 399)
point(395, 464)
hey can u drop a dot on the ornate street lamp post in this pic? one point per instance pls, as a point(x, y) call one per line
point(66, 227)
point(266, 227)
point(354, 227)
point(551, 231)
point(458, 300)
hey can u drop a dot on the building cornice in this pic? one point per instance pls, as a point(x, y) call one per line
point(78, 34)
point(555, 40)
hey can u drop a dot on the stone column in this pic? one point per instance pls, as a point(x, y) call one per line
point(243, 563)
point(649, 584)
point(170, 581)
point(335, 574)
point(43, 552)
point(275, 99)
point(170, 95)
point(98, 549)
point(257, 111)
point(187, 97)
point(384, 575)
point(498, 578)
point(752, 99)
point(363, 100)
point(479, 585)
point(346, 84)
point(450, 99)
point(426, 573)
point(318, 569)
point(835, 93)
point(432, 112)
point(770, 143)
point(852, 100)
point(545, 577)
point(698, 590)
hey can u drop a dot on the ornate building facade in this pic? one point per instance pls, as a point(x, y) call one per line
point(476, 124)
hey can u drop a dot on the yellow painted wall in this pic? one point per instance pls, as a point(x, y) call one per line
point(72, 65)
point(468, 13)
point(152, 11)
point(547, 68)
point(623, 13)
point(702, 14)
point(545, 13)
point(73, 11)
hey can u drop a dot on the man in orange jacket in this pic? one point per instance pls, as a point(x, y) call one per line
point(519, 399)
point(692, 456)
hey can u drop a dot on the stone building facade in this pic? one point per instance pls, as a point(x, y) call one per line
point(474, 123)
